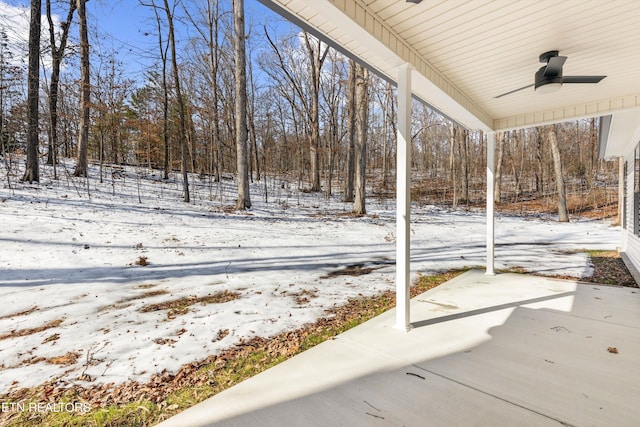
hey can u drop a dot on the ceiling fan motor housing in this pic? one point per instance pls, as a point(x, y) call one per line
point(542, 79)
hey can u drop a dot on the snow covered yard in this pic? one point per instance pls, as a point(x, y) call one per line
point(115, 281)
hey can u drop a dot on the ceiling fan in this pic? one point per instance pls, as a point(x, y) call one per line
point(549, 78)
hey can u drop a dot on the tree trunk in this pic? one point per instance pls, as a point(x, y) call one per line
point(56, 61)
point(165, 96)
point(452, 164)
point(244, 198)
point(351, 132)
point(465, 165)
point(214, 53)
point(165, 114)
point(181, 120)
point(85, 94)
point(362, 102)
point(540, 164)
point(210, 9)
point(552, 135)
point(308, 94)
point(32, 172)
point(497, 186)
point(390, 121)
point(317, 59)
point(593, 153)
point(621, 180)
point(251, 113)
point(190, 132)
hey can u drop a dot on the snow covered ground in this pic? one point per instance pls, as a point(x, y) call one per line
point(76, 304)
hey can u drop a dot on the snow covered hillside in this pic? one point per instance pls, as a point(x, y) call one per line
point(115, 281)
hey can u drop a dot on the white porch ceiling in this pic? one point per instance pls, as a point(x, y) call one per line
point(466, 52)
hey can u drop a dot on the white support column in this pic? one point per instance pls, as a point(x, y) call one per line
point(403, 199)
point(491, 166)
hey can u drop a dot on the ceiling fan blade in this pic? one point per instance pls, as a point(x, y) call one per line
point(582, 79)
point(554, 66)
point(512, 91)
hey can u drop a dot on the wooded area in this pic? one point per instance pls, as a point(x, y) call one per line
point(254, 103)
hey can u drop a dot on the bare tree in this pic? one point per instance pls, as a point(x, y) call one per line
point(332, 95)
point(85, 92)
point(211, 15)
point(11, 77)
point(111, 125)
point(390, 129)
point(453, 176)
point(244, 198)
point(539, 161)
point(362, 102)
point(251, 123)
point(32, 172)
point(464, 148)
point(317, 56)
point(552, 136)
point(57, 53)
point(621, 190)
point(181, 122)
point(351, 132)
point(497, 186)
point(593, 151)
point(316, 53)
point(164, 47)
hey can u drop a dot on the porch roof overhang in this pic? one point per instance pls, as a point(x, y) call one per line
point(465, 53)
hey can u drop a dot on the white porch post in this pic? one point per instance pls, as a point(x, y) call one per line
point(403, 199)
point(491, 165)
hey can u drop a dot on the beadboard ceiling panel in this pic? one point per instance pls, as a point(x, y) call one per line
point(466, 52)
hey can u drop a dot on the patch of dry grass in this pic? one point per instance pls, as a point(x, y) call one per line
point(144, 295)
point(19, 313)
point(67, 359)
point(31, 331)
point(180, 306)
point(127, 302)
point(51, 338)
point(303, 296)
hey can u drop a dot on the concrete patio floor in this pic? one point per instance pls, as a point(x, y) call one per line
point(501, 350)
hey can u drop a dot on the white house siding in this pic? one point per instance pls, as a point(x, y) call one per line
point(630, 238)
